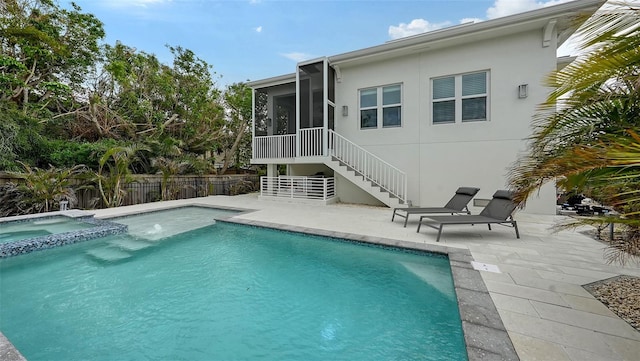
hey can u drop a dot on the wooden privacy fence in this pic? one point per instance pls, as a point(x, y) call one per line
point(148, 188)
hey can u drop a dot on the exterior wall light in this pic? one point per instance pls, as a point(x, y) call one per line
point(345, 110)
point(523, 91)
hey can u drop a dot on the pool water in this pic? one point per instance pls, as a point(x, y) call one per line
point(37, 227)
point(161, 224)
point(231, 292)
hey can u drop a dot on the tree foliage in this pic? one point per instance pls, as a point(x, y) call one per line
point(65, 95)
point(43, 189)
point(586, 133)
point(235, 135)
point(44, 49)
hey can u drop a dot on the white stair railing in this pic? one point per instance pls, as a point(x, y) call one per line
point(370, 166)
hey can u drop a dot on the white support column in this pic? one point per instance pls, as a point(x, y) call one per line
point(272, 170)
point(325, 105)
point(253, 123)
point(297, 111)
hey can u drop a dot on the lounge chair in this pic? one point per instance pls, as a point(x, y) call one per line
point(498, 211)
point(457, 204)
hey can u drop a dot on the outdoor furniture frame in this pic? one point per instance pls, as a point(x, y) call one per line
point(498, 211)
point(457, 204)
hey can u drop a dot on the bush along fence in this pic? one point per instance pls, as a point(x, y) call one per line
point(153, 188)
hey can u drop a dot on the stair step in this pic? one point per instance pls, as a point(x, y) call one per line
point(108, 254)
point(131, 244)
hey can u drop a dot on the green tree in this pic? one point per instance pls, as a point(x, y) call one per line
point(134, 97)
point(114, 174)
point(235, 135)
point(45, 188)
point(45, 50)
point(584, 136)
point(169, 168)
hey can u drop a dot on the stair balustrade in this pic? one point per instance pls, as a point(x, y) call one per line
point(370, 166)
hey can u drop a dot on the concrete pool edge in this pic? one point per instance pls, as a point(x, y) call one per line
point(484, 333)
point(8, 352)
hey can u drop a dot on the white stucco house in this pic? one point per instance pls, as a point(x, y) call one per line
point(411, 120)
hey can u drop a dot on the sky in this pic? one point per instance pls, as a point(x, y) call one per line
point(255, 39)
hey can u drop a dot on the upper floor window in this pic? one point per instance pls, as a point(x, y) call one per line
point(460, 98)
point(384, 103)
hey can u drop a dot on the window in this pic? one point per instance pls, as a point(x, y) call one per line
point(381, 103)
point(460, 98)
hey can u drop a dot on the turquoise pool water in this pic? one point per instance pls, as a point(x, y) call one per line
point(230, 292)
point(37, 227)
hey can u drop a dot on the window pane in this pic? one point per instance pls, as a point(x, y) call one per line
point(474, 84)
point(391, 95)
point(391, 117)
point(368, 98)
point(444, 88)
point(444, 112)
point(369, 118)
point(474, 109)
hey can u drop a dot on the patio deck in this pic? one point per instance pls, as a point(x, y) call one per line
point(539, 294)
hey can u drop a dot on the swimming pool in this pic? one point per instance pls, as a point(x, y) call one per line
point(231, 292)
point(38, 227)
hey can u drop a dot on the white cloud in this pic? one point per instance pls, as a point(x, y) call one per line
point(416, 26)
point(509, 7)
point(297, 57)
point(258, 29)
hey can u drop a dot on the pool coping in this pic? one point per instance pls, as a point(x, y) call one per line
point(485, 336)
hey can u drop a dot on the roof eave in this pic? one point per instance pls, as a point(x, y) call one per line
point(564, 9)
point(274, 81)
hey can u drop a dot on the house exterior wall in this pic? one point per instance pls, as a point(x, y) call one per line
point(348, 192)
point(438, 158)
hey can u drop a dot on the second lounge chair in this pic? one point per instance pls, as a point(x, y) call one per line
point(498, 211)
point(457, 204)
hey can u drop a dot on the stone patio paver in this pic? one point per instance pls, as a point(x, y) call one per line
point(556, 332)
point(525, 292)
point(608, 325)
point(588, 304)
point(535, 349)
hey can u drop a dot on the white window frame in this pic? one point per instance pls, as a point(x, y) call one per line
point(458, 97)
point(380, 107)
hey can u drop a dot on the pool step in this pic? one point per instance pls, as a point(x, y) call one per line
point(131, 244)
point(108, 254)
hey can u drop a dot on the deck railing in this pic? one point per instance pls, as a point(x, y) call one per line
point(311, 142)
point(274, 146)
point(284, 146)
point(317, 188)
point(371, 167)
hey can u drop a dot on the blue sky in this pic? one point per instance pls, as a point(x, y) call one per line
point(256, 39)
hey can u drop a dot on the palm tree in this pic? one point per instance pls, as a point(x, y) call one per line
point(168, 168)
point(44, 188)
point(114, 173)
point(585, 134)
